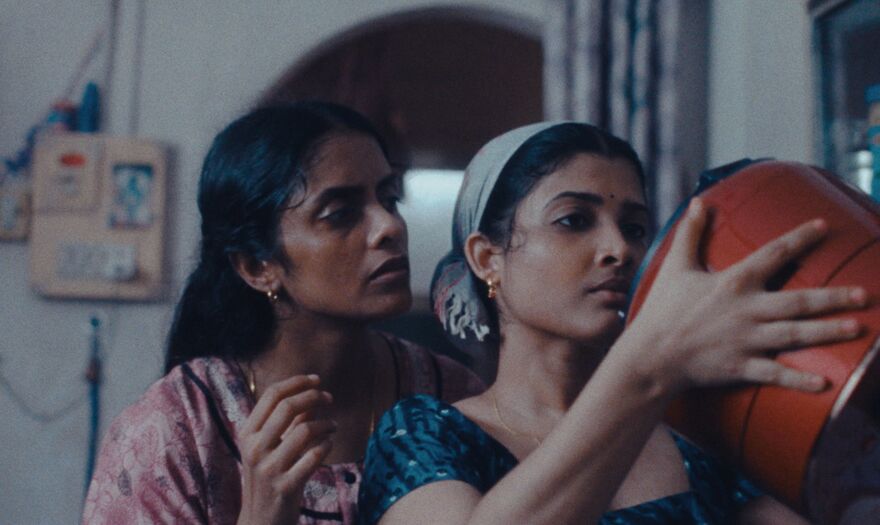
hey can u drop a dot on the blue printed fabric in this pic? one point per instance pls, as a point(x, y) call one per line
point(422, 440)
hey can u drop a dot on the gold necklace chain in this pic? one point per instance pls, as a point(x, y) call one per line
point(513, 432)
point(248, 372)
point(251, 382)
point(375, 370)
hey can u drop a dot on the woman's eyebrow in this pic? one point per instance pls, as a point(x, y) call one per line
point(597, 200)
point(588, 197)
point(354, 191)
point(392, 179)
point(338, 192)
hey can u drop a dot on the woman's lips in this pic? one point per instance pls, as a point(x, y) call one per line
point(613, 292)
point(611, 297)
point(394, 269)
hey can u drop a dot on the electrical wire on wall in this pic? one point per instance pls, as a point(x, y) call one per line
point(120, 50)
point(92, 376)
point(63, 116)
point(40, 416)
point(20, 160)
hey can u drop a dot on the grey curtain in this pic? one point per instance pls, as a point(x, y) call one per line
point(638, 69)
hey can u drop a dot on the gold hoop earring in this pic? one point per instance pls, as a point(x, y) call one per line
point(493, 288)
point(272, 295)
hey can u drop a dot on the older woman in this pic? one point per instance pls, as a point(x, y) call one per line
point(550, 227)
point(273, 378)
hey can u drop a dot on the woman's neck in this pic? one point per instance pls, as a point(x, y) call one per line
point(337, 351)
point(541, 373)
point(352, 365)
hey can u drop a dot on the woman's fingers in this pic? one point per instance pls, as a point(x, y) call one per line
point(281, 445)
point(302, 417)
point(785, 335)
point(793, 304)
point(769, 372)
point(273, 395)
point(287, 410)
point(298, 440)
point(685, 248)
point(302, 469)
point(766, 261)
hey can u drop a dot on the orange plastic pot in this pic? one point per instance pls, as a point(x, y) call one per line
point(818, 453)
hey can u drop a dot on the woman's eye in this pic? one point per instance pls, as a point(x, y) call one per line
point(634, 230)
point(390, 202)
point(575, 221)
point(340, 216)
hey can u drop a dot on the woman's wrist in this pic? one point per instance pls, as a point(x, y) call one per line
point(642, 362)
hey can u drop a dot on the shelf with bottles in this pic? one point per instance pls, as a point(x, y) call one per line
point(846, 44)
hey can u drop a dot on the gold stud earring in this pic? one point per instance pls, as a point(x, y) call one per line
point(272, 295)
point(493, 287)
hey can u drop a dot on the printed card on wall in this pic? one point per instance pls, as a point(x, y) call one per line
point(99, 220)
point(69, 178)
point(132, 189)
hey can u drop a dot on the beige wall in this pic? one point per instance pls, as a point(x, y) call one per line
point(760, 81)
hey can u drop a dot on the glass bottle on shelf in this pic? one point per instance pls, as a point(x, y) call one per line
point(846, 37)
point(872, 98)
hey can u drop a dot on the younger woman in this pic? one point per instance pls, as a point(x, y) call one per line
point(550, 227)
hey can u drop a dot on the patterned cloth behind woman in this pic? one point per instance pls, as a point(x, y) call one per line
point(422, 440)
point(172, 456)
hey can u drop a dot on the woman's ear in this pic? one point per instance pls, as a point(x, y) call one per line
point(484, 257)
point(262, 276)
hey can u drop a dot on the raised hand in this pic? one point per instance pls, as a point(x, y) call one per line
point(702, 328)
point(281, 446)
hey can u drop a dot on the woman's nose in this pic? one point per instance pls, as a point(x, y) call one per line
point(388, 229)
point(614, 250)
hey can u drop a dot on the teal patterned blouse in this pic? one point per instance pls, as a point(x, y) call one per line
point(422, 440)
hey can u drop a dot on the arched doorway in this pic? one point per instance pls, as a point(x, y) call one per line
point(437, 82)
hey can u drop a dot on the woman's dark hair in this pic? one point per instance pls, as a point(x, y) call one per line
point(253, 169)
point(540, 155)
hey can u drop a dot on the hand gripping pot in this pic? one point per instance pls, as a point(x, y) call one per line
point(818, 453)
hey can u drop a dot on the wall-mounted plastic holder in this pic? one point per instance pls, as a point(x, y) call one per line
point(98, 224)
